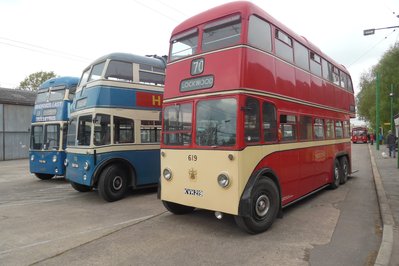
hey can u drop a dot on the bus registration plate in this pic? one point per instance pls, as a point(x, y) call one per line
point(193, 192)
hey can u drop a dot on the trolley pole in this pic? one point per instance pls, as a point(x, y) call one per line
point(377, 110)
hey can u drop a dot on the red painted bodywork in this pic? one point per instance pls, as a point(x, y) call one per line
point(291, 90)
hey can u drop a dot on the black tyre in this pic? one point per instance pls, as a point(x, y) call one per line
point(265, 205)
point(44, 176)
point(176, 208)
point(80, 187)
point(336, 175)
point(344, 170)
point(112, 184)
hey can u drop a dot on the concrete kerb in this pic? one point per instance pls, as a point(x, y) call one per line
point(385, 251)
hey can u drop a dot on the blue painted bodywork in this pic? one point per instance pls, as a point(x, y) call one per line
point(146, 165)
point(43, 159)
point(43, 162)
point(109, 97)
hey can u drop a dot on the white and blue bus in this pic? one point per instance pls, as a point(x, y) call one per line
point(50, 126)
point(115, 128)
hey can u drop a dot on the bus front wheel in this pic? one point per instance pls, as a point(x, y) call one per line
point(265, 204)
point(112, 184)
point(176, 208)
point(44, 176)
point(80, 188)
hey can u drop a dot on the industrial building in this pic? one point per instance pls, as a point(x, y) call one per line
point(16, 108)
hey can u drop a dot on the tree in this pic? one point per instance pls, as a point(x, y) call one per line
point(388, 69)
point(33, 81)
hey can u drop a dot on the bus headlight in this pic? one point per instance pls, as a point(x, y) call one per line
point(167, 174)
point(86, 166)
point(54, 158)
point(32, 157)
point(223, 180)
point(66, 162)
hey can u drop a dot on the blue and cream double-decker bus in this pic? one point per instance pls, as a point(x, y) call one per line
point(50, 126)
point(114, 130)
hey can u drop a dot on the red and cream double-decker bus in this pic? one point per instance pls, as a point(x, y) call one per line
point(255, 117)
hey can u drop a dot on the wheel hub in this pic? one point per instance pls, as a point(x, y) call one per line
point(262, 205)
point(117, 183)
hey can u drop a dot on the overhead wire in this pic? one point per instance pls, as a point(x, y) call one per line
point(41, 49)
point(371, 48)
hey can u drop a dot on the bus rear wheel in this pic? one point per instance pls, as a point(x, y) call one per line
point(265, 204)
point(44, 176)
point(112, 184)
point(336, 175)
point(80, 187)
point(344, 170)
point(176, 208)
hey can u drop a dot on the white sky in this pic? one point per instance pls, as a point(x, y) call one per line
point(65, 36)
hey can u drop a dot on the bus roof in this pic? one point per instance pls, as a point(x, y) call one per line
point(155, 61)
point(68, 82)
point(247, 9)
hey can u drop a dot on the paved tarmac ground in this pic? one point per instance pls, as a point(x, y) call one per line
point(49, 223)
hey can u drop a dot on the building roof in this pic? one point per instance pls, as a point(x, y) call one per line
point(18, 97)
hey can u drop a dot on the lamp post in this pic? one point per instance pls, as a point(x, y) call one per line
point(391, 96)
point(377, 111)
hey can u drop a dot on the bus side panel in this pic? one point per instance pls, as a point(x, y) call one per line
point(43, 162)
point(285, 165)
point(146, 164)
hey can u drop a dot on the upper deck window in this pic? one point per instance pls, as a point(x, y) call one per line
point(221, 33)
point(42, 97)
point(85, 77)
point(259, 34)
point(335, 75)
point(96, 71)
point(284, 46)
point(184, 44)
point(301, 54)
point(315, 64)
point(118, 70)
point(57, 95)
point(327, 70)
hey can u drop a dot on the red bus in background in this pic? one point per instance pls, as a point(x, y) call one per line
point(255, 117)
point(359, 134)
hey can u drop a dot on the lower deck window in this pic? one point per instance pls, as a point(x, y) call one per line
point(123, 130)
point(150, 131)
point(178, 124)
point(288, 127)
point(102, 130)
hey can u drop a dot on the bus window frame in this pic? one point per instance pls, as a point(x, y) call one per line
point(216, 26)
point(190, 132)
point(194, 32)
point(280, 131)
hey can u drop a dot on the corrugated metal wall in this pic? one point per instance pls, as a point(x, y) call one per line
point(14, 131)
